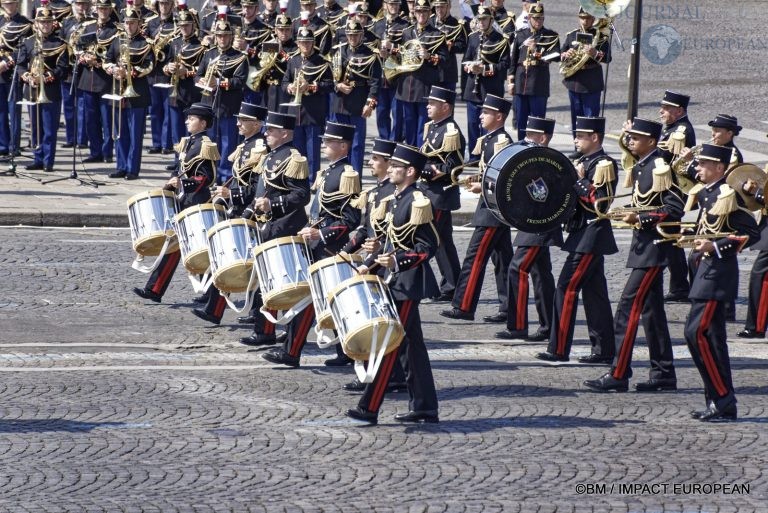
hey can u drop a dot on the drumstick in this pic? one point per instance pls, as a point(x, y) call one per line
point(376, 265)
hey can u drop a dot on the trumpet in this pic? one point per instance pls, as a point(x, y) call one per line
point(682, 240)
point(298, 83)
point(175, 78)
point(618, 213)
point(210, 73)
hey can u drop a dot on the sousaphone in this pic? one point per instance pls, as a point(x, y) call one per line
point(604, 8)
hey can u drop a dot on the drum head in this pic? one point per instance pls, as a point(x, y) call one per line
point(152, 245)
point(235, 277)
point(286, 297)
point(530, 187)
point(357, 344)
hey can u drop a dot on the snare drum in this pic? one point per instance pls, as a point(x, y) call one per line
point(324, 276)
point(230, 247)
point(365, 314)
point(282, 265)
point(192, 226)
point(150, 215)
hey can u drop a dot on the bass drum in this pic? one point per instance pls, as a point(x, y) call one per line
point(530, 187)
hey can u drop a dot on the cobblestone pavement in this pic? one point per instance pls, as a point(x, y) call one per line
point(113, 404)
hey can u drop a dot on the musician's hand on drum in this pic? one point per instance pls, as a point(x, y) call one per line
point(263, 205)
point(631, 218)
point(173, 182)
point(750, 187)
point(310, 233)
point(386, 260)
point(371, 245)
point(704, 245)
point(475, 187)
point(344, 88)
point(222, 191)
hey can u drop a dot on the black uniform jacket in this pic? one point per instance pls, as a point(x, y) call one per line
point(717, 275)
point(493, 50)
point(391, 30)
point(442, 194)
point(142, 63)
point(589, 79)
point(233, 66)
point(245, 170)
point(189, 52)
point(643, 252)
point(362, 69)
point(196, 175)
point(272, 91)
point(314, 103)
point(337, 216)
point(95, 79)
point(533, 79)
point(159, 28)
point(762, 244)
point(56, 66)
point(456, 41)
point(68, 27)
point(13, 30)
point(371, 227)
point(414, 86)
point(587, 234)
point(322, 31)
point(483, 216)
point(668, 130)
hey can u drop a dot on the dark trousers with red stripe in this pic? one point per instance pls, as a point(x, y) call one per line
point(643, 297)
point(533, 261)
point(447, 257)
point(678, 272)
point(414, 358)
point(487, 242)
point(585, 273)
point(706, 338)
point(298, 329)
point(160, 278)
point(216, 304)
point(757, 304)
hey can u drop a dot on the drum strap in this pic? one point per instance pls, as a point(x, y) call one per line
point(203, 283)
point(138, 262)
point(376, 356)
point(289, 314)
point(248, 296)
point(325, 338)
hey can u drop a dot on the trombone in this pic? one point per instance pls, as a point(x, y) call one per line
point(685, 240)
point(38, 72)
point(118, 95)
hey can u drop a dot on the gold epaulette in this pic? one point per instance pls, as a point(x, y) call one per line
point(208, 150)
point(297, 166)
point(360, 201)
point(380, 211)
point(604, 173)
point(451, 139)
point(478, 145)
point(181, 144)
point(726, 202)
point(662, 176)
point(502, 142)
point(236, 154)
point(349, 183)
point(426, 131)
point(693, 199)
point(677, 140)
point(421, 209)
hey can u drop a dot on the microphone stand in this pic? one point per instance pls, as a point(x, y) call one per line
point(11, 171)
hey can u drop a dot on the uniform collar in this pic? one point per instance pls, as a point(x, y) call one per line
point(715, 184)
point(593, 155)
point(651, 155)
point(336, 163)
point(399, 195)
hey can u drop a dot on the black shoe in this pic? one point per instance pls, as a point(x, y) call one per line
point(339, 361)
point(259, 339)
point(361, 414)
point(455, 313)
point(68, 145)
point(594, 358)
point(200, 299)
point(713, 414)
point(154, 151)
point(607, 383)
point(108, 160)
point(676, 298)
point(549, 357)
point(171, 167)
point(35, 167)
point(656, 385)
point(512, 335)
point(281, 357)
point(418, 416)
point(91, 160)
point(131, 177)
point(354, 386)
point(202, 314)
point(82, 146)
point(48, 169)
point(167, 151)
point(248, 319)
point(697, 414)
point(496, 318)
point(538, 337)
point(147, 294)
point(118, 174)
point(394, 387)
point(745, 333)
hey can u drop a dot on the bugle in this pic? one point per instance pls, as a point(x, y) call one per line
point(683, 240)
point(618, 213)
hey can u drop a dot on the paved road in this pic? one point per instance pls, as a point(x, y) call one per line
point(110, 403)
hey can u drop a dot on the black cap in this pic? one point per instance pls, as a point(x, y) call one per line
point(221, 27)
point(44, 14)
point(409, 156)
point(422, 5)
point(536, 11)
point(727, 122)
point(645, 127)
point(283, 21)
point(353, 27)
point(383, 147)
point(590, 125)
point(280, 120)
point(675, 99)
point(541, 125)
point(250, 111)
point(339, 131)
point(200, 110)
point(716, 153)
point(497, 103)
point(305, 34)
point(442, 95)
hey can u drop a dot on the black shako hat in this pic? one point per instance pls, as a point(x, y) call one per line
point(339, 131)
point(251, 111)
point(409, 156)
point(675, 99)
point(716, 153)
point(496, 103)
point(590, 125)
point(280, 120)
point(383, 147)
point(200, 110)
point(442, 95)
point(645, 127)
point(541, 125)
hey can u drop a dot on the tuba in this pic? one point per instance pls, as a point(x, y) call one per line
point(585, 42)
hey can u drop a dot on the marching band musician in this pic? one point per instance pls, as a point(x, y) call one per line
point(71, 27)
point(586, 84)
point(484, 68)
point(254, 33)
point(130, 60)
point(715, 280)
point(239, 192)
point(138, 5)
point(61, 10)
point(161, 30)
point(273, 95)
point(223, 10)
point(413, 86)
point(94, 83)
point(444, 146)
point(335, 217)
point(410, 242)
point(455, 38)
point(281, 194)
point(42, 63)
point(331, 12)
point(503, 18)
point(532, 50)
point(308, 76)
point(223, 71)
point(13, 29)
point(654, 189)
point(184, 55)
point(269, 14)
point(389, 31)
point(532, 257)
point(491, 239)
point(197, 169)
point(357, 79)
point(590, 239)
point(357, 12)
point(319, 27)
point(673, 113)
point(723, 130)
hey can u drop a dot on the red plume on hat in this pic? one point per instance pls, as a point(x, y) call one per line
point(283, 6)
point(182, 5)
point(304, 18)
point(222, 12)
